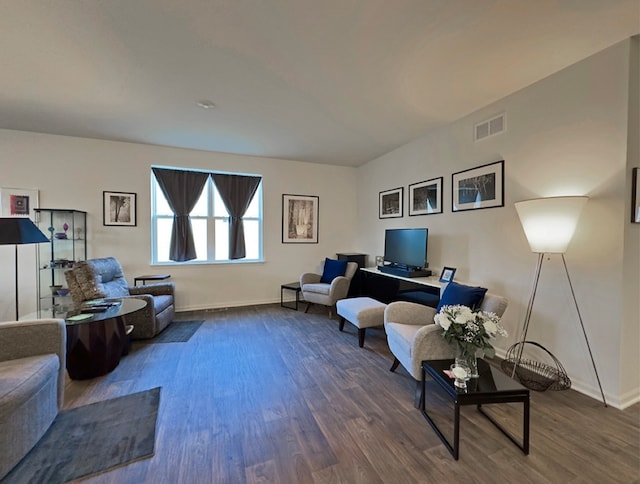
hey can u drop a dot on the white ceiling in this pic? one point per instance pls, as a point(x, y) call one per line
point(327, 81)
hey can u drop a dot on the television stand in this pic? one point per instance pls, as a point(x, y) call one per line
point(404, 271)
point(386, 287)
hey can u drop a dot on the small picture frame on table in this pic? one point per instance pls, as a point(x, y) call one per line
point(119, 208)
point(447, 274)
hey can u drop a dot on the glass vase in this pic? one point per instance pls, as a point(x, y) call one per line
point(460, 377)
point(468, 358)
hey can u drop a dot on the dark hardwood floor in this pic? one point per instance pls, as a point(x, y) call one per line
point(265, 394)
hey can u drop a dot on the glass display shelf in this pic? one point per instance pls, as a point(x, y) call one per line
point(66, 230)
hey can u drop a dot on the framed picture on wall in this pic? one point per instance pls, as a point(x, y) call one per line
point(425, 198)
point(635, 196)
point(480, 187)
point(18, 202)
point(119, 208)
point(300, 219)
point(390, 203)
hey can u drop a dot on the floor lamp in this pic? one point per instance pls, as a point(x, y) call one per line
point(17, 231)
point(549, 224)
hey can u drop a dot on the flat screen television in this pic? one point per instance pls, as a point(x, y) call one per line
point(406, 248)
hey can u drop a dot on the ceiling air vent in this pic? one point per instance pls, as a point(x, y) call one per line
point(489, 127)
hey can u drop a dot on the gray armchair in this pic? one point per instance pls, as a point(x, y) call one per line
point(413, 336)
point(32, 366)
point(99, 278)
point(327, 294)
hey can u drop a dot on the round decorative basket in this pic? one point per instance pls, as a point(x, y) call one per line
point(533, 374)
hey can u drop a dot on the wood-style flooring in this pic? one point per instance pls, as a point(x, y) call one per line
point(266, 394)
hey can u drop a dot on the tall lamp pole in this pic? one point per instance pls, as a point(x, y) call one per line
point(549, 224)
point(17, 231)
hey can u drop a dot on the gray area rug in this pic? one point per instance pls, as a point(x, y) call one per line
point(177, 332)
point(91, 439)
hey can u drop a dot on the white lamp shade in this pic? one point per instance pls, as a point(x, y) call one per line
point(549, 223)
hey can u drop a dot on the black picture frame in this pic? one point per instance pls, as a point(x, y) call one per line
point(478, 188)
point(635, 196)
point(425, 197)
point(119, 209)
point(447, 274)
point(390, 203)
point(300, 219)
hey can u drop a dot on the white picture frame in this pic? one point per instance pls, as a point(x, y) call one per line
point(18, 202)
point(300, 219)
point(119, 209)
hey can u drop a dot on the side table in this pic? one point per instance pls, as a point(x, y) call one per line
point(150, 277)
point(491, 387)
point(290, 286)
point(97, 340)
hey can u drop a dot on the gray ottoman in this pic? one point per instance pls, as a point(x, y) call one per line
point(362, 312)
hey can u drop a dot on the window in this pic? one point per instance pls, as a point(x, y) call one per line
point(210, 225)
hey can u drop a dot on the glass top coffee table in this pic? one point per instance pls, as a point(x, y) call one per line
point(492, 387)
point(96, 340)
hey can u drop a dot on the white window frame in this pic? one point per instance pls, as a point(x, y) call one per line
point(211, 223)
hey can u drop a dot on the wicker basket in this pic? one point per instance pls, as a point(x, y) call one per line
point(533, 374)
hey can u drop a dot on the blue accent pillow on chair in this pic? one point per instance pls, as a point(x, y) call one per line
point(456, 293)
point(332, 269)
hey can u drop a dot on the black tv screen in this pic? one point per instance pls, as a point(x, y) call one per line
point(406, 247)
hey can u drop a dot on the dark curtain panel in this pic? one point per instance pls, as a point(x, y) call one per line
point(182, 189)
point(237, 192)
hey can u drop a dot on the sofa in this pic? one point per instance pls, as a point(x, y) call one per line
point(32, 365)
point(100, 278)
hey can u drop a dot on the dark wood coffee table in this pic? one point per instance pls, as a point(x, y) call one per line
point(95, 344)
point(492, 387)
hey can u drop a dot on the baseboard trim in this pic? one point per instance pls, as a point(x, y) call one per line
point(225, 305)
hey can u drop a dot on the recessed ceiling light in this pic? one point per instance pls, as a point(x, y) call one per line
point(205, 104)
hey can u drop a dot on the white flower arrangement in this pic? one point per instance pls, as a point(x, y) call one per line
point(469, 330)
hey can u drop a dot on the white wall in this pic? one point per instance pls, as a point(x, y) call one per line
point(566, 135)
point(73, 172)
point(630, 335)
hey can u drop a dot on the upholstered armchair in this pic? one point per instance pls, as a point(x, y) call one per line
point(99, 278)
point(32, 368)
point(413, 336)
point(324, 288)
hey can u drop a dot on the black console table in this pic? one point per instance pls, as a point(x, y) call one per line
point(387, 287)
point(356, 287)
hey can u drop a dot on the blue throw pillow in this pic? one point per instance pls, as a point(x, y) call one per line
point(456, 293)
point(332, 269)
